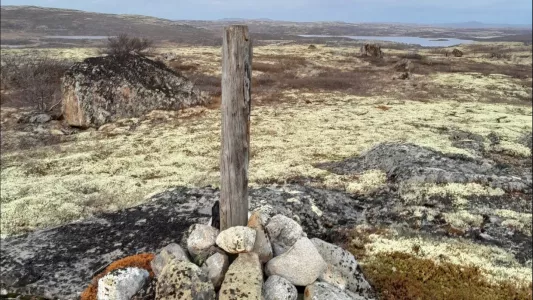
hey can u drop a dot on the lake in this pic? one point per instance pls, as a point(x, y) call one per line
point(77, 37)
point(424, 42)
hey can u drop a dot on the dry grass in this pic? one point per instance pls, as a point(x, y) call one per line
point(309, 106)
point(494, 265)
point(120, 166)
point(401, 276)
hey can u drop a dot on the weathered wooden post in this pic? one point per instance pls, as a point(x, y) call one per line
point(236, 105)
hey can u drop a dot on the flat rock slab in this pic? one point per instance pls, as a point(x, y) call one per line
point(415, 164)
point(60, 262)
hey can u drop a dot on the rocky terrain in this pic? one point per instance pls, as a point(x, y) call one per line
point(424, 179)
point(56, 257)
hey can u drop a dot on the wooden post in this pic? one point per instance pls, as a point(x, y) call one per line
point(236, 104)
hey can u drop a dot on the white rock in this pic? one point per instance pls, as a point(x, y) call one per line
point(121, 284)
point(283, 233)
point(215, 267)
point(262, 245)
point(279, 288)
point(343, 269)
point(237, 239)
point(169, 252)
point(301, 264)
point(201, 242)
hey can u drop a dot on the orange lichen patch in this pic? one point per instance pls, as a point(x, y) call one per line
point(403, 276)
point(139, 261)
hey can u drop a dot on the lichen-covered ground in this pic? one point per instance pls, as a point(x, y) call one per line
point(312, 107)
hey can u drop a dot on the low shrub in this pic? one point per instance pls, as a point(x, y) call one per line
point(404, 276)
point(34, 82)
point(124, 44)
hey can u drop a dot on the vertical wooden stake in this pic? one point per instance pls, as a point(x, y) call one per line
point(236, 104)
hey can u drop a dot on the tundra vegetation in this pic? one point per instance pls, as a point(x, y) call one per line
point(310, 106)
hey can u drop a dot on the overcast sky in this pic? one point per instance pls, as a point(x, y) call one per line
point(406, 11)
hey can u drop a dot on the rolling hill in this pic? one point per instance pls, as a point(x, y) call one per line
point(31, 22)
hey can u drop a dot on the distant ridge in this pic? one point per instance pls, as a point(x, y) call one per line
point(475, 24)
point(35, 22)
point(244, 19)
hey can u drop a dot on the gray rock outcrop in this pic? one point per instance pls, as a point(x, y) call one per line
point(103, 89)
point(372, 50)
point(409, 163)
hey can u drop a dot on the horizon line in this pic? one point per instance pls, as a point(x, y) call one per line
point(277, 20)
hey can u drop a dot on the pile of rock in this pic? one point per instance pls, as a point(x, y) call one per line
point(232, 264)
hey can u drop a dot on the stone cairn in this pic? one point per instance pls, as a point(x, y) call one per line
point(233, 264)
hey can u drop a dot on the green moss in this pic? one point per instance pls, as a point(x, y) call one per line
point(404, 276)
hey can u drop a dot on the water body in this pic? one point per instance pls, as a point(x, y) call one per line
point(13, 46)
point(412, 40)
point(77, 37)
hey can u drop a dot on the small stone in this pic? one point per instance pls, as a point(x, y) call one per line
point(181, 280)
point(495, 220)
point(301, 264)
point(262, 245)
point(168, 253)
point(343, 270)
point(279, 288)
point(244, 279)
point(121, 284)
point(201, 242)
point(56, 132)
point(322, 291)
point(215, 267)
point(486, 237)
point(237, 239)
point(40, 118)
point(283, 232)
